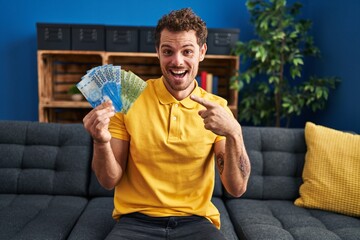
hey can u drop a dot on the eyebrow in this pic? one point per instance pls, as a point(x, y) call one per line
point(184, 46)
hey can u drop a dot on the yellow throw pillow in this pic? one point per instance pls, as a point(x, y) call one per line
point(331, 175)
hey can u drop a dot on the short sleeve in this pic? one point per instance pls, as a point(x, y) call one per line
point(117, 127)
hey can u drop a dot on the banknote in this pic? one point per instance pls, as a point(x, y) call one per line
point(132, 87)
point(109, 82)
point(100, 85)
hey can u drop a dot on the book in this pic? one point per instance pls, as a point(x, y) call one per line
point(203, 75)
point(198, 79)
point(209, 82)
point(215, 85)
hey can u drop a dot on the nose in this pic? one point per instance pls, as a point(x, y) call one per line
point(178, 59)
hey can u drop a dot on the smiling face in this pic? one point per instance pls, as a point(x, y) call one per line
point(179, 55)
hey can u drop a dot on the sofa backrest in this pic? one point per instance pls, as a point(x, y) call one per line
point(44, 158)
point(96, 190)
point(277, 160)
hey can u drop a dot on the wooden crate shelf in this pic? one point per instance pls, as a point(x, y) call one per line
point(58, 70)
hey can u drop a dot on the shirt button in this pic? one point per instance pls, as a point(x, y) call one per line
point(176, 105)
point(174, 118)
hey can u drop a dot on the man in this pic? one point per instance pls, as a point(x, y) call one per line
point(159, 156)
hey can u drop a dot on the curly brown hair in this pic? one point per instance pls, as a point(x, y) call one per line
point(182, 20)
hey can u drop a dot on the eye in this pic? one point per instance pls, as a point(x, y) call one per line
point(188, 52)
point(167, 52)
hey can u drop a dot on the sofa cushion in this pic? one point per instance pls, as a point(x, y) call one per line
point(44, 158)
point(332, 171)
point(96, 190)
point(96, 221)
point(277, 158)
point(38, 216)
point(218, 192)
point(281, 219)
point(226, 227)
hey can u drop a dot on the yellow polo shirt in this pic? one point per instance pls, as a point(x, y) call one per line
point(170, 169)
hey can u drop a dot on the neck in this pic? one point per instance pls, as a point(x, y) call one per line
point(180, 94)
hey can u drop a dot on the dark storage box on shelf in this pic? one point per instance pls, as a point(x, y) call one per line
point(147, 39)
point(220, 41)
point(122, 39)
point(51, 36)
point(88, 37)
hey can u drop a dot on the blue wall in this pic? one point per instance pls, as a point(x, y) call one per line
point(336, 32)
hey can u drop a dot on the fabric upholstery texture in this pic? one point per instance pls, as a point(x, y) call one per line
point(38, 216)
point(281, 219)
point(96, 221)
point(227, 227)
point(267, 210)
point(44, 177)
point(277, 158)
point(332, 171)
point(218, 189)
point(44, 159)
point(47, 189)
point(96, 190)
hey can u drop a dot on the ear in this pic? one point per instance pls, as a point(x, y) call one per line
point(203, 50)
point(157, 52)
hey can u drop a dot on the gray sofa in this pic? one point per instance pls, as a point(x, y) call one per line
point(47, 189)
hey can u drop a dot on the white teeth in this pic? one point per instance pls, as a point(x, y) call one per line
point(178, 72)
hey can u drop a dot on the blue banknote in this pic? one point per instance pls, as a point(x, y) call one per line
point(101, 84)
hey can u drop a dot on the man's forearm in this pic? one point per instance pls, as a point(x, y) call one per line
point(107, 170)
point(234, 165)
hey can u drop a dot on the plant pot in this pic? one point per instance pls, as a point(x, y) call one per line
point(77, 97)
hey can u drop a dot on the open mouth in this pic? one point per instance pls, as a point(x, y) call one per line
point(178, 73)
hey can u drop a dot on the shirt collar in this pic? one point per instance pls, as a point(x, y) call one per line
point(166, 98)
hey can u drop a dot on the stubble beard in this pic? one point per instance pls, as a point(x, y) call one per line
point(178, 85)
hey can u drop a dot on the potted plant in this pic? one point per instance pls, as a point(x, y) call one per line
point(75, 93)
point(271, 88)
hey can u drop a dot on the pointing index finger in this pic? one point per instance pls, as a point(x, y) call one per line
point(202, 101)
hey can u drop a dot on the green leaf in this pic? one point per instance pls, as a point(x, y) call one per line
point(273, 79)
point(309, 88)
point(298, 61)
point(258, 55)
point(326, 95)
point(318, 92)
point(294, 34)
point(251, 4)
point(247, 78)
point(279, 35)
point(285, 105)
point(295, 72)
point(264, 24)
